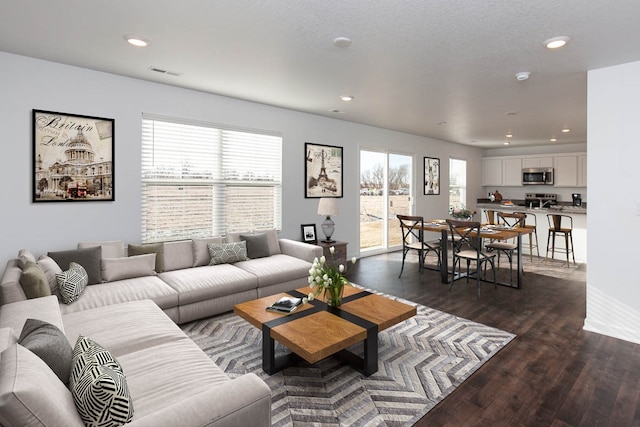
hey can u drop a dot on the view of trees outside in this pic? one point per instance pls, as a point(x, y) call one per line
point(457, 183)
point(372, 196)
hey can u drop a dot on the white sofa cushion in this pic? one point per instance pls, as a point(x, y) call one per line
point(275, 269)
point(148, 287)
point(178, 255)
point(14, 315)
point(31, 394)
point(203, 283)
point(201, 255)
point(131, 327)
point(168, 373)
point(7, 338)
point(110, 248)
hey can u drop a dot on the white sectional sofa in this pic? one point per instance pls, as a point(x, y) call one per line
point(171, 381)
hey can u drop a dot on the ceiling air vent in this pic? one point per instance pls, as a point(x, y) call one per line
point(161, 71)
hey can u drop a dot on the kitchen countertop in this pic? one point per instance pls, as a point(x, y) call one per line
point(521, 208)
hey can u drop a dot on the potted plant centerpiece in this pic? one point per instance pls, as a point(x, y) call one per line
point(328, 280)
point(461, 213)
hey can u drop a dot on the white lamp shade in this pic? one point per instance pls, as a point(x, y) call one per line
point(328, 206)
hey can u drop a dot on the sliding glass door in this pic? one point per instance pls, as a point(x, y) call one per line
point(385, 191)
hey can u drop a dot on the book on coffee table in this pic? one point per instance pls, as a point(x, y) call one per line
point(285, 305)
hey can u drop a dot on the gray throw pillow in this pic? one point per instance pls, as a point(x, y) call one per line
point(98, 385)
point(201, 251)
point(34, 282)
point(226, 253)
point(257, 245)
point(88, 258)
point(151, 248)
point(50, 344)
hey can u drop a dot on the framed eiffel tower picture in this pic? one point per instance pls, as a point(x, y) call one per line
point(322, 171)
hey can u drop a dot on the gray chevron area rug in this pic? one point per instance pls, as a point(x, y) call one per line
point(421, 361)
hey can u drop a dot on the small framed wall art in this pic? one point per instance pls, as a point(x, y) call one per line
point(322, 171)
point(431, 175)
point(309, 233)
point(72, 158)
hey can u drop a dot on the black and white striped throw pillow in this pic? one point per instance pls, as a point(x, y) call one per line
point(99, 386)
point(72, 282)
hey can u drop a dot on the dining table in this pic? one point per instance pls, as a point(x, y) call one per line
point(487, 231)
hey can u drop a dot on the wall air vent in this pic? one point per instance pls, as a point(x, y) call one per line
point(161, 71)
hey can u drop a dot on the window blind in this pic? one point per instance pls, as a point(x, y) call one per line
point(203, 180)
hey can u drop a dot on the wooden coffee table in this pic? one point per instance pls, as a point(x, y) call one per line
point(316, 331)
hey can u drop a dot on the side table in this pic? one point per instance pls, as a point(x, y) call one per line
point(340, 253)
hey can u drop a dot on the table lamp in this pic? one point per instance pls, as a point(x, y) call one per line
point(327, 207)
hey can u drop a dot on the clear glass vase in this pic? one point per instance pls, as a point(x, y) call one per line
point(333, 295)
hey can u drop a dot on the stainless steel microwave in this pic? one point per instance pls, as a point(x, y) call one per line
point(537, 176)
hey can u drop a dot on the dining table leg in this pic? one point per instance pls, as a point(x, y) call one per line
point(444, 258)
point(519, 256)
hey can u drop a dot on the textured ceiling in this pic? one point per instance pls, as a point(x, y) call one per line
point(412, 63)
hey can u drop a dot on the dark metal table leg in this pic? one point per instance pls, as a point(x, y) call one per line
point(444, 258)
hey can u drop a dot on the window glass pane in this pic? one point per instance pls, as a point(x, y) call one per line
point(457, 183)
point(199, 180)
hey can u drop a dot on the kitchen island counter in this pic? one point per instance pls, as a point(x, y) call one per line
point(577, 213)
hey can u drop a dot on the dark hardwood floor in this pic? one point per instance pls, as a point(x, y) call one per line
point(553, 374)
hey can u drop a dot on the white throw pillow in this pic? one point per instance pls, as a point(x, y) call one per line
point(72, 283)
point(128, 267)
point(98, 385)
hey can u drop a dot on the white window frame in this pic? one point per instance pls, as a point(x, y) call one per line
point(457, 182)
point(202, 179)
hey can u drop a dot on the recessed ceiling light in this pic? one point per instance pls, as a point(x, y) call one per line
point(566, 130)
point(335, 110)
point(553, 139)
point(137, 41)
point(342, 41)
point(441, 123)
point(510, 113)
point(506, 143)
point(522, 76)
point(346, 98)
point(509, 135)
point(556, 42)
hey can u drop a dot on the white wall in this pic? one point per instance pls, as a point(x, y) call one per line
point(27, 84)
point(613, 293)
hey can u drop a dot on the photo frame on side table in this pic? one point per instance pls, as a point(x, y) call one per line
point(73, 158)
point(431, 176)
point(322, 171)
point(309, 234)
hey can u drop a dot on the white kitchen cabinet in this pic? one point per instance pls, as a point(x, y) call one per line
point(501, 171)
point(537, 162)
point(512, 172)
point(491, 171)
point(582, 170)
point(566, 171)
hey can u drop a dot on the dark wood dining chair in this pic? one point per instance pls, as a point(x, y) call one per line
point(413, 239)
point(509, 247)
point(556, 222)
point(467, 245)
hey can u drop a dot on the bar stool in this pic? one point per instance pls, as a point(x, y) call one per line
point(511, 219)
point(555, 227)
point(534, 227)
point(491, 217)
